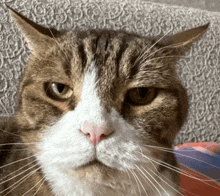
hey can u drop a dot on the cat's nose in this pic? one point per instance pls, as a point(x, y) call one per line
point(95, 133)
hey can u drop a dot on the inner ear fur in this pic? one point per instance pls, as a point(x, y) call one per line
point(184, 38)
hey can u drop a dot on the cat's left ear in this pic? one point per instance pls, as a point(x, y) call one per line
point(37, 37)
point(185, 38)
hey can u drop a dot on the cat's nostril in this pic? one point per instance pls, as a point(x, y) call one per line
point(88, 135)
point(103, 135)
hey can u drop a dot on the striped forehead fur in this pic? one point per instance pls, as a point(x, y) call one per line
point(113, 52)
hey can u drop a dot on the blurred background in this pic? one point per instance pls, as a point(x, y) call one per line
point(210, 5)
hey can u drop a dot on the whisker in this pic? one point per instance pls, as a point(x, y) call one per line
point(171, 151)
point(9, 133)
point(148, 179)
point(162, 57)
point(136, 181)
point(183, 172)
point(158, 175)
point(33, 186)
point(154, 179)
point(128, 175)
point(7, 144)
point(168, 46)
point(20, 149)
point(170, 182)
point(146, 51)
point(17, 161)
point(39, 187)
point(164, 180)
point(62, 49)
point(25, 178)
point(142, 154)
point(19, 174)
point(169, 166)
point(16, 170)
point(140, 183)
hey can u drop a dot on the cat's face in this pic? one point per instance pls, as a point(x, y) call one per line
point(95, 102)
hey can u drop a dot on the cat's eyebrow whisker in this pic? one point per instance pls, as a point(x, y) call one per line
point(62, 49)
point(19, 174)
point(146, 51)
point(17, 161)
point(16, 170)
point(165, 47)
point(149, 180)
point(164, 180)
point(171, 151)
point(183, 172)
point(162, 48)
point(163, 74)
point(43, 179)
point(135, 180)
point(144, 61)
point(16, 184)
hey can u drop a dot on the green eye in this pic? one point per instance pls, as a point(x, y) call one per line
point(59, 91)
point(141, 96)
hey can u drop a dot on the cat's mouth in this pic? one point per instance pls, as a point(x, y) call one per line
point(93, 171)
point(95, 164)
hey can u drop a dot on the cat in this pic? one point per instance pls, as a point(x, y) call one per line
point(97, 113)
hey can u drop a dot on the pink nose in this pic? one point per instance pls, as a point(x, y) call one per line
point(95, 133)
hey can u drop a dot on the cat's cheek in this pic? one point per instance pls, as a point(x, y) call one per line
point(64, 106)
point(64, 144)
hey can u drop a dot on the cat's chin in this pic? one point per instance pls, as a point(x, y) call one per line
point(94, 171)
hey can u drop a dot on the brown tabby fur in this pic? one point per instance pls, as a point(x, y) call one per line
point(63, 57)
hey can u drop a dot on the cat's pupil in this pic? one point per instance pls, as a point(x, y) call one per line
point(60, 87)
point(142, 92)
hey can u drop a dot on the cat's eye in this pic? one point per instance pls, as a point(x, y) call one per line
point(58, 91)
point(141, 96)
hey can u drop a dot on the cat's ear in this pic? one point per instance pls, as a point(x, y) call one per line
point(37, 37)
point(186, 37)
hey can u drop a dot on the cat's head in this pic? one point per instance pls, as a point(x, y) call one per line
point(93, 100)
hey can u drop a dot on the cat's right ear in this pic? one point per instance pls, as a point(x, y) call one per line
point(37, 37)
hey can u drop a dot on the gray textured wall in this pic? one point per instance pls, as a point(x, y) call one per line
point(209, 5)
